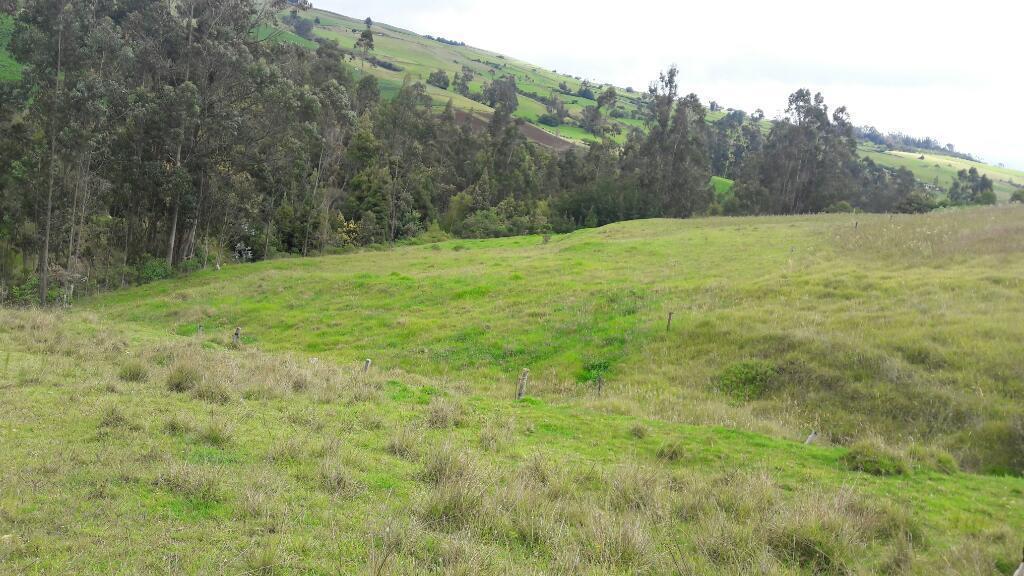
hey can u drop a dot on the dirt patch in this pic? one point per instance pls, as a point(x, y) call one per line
point(480, 120)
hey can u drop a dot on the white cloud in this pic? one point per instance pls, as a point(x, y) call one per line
point(950, 71)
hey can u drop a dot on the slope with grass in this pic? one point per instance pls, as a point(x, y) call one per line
point(640, 449)
point(9, 69)
point(418, 56)
point(878, 340)
point(130, 450)
point(940, 169)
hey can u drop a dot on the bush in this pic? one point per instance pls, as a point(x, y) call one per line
point(183, 378)
point(1017, 196)
point(747, 381)
point(874, 458)
point(133, 371)
point(154, 269)
point(549, 120)
point(935, 459)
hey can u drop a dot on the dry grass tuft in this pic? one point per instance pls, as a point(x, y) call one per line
point(404, 442)
point(183, 378)
point(444, 413)
point(133, 371)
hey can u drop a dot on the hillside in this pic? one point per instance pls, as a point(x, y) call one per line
point(941, 169)
point(418, 56)
point(639, 449)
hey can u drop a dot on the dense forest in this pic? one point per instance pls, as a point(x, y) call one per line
point(149, 137)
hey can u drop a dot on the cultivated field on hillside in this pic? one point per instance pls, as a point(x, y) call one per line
point(942, 170)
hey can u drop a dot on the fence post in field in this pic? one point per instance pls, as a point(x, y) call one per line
point(521, 389)
point(366, 365)
point(236, 339)
point(199, 330)
point(600, 384)
point(669, 325)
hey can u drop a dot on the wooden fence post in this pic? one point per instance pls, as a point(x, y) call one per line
point(366, 365)
point(237, 338)
point(521, 389)
point(669, 325)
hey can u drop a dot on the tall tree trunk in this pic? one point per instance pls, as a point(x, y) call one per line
point(174, 231)
point(181, 140)
point(44, 260)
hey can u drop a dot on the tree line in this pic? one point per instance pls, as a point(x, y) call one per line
point(147, 137)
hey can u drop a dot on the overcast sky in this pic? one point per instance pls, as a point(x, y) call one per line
point(953, 71)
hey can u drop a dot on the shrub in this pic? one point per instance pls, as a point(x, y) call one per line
point(639, 431)
point(874, 458)
point(1018, 196)
point(133, 371)
point(549, 120)
point(154, 269)
point(935, 459)
point(183, 378)
point(748, 380)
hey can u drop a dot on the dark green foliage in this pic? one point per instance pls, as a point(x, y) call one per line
point(749, 380)
point(876, 459)
point(154, 269)
point(1018, 196)
point(439, 78)
point(970, 187)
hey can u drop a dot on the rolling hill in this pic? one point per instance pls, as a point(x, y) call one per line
point(941, 169)
point(640, 448)
point(417, 56)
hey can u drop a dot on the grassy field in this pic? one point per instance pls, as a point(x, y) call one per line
point(941, 170)
point(9, 69)
point(639, 449)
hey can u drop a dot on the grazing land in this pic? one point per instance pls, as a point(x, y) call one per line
point(136, 442)
point(941, 170)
